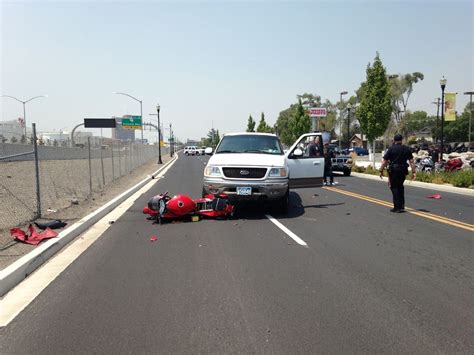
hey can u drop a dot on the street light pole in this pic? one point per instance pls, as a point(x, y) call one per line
point(437, 103)
point(470, 93)
point(442, 82)
point(159, 134)
point(348, 127)
point(340, 126)
point(24, 105)
point(141, 106)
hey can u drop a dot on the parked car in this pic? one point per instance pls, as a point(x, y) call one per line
point(253, 166)
point(360, 151)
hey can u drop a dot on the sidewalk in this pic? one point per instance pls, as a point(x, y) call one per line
point(11, 250)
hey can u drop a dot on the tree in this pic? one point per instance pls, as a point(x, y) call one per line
point(375, 106)
point(23, 139)
point(55, 143)
point(416, 121)
point(216, 139)
point(13, 139)
point(251, 124)
point(458, 131)
point(282, 124)
point(263, 126)
point(401, 88)
point(2, 138)
point(299, 123)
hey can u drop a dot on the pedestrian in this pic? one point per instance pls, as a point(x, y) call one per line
point(328, 155)
point(314, 148)
point(395, 159)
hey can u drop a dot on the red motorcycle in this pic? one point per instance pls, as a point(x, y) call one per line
point(163, 207)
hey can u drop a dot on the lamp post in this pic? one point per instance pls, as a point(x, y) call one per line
point(348, 126)
point(340, 100)
point(24, 105)
point(470, 93)
point(159, 134)
point(442, 82)
point(437, 103)
point(141, 106)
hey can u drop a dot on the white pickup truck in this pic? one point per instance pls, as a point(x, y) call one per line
point(253, 166)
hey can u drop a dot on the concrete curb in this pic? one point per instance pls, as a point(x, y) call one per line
point(423, 185)
point(13, 274)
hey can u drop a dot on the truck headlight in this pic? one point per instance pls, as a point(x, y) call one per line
point(277, 172)
point(212, 171)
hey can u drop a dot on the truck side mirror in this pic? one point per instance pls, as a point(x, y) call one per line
point(208, 150)
point(298, 152)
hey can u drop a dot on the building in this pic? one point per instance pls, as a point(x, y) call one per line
point(123, 134)
point(13, 128)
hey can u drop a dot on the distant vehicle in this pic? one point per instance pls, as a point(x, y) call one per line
point(342, 162)
point(191, 150)
point(360, 151)
point(202, 150)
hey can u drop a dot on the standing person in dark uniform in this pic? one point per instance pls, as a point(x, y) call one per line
point(396, 159)
point(328, 155)
point(314, 148)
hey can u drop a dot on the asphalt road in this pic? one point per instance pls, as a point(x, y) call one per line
point(369, 281)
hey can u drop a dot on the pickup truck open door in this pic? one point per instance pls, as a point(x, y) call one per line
point(305, 161)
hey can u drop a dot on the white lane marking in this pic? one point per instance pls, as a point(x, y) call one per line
point(24, 293)
point(287, 231)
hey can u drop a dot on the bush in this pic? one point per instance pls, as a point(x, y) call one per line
point(463, 178)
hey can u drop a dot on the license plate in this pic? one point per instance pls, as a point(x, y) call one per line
point(245, 191)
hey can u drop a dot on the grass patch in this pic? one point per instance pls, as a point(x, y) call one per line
point(461, 178)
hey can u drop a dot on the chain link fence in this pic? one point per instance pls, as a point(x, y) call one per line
point(65, 175)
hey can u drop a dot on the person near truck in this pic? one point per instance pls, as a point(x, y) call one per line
point(314, 148)
point(396, 159)
point(328, 156)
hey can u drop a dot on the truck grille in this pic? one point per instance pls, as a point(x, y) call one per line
point(244, 173)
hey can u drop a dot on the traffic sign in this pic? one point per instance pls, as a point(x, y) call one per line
point(132, 122)
point(318, 112)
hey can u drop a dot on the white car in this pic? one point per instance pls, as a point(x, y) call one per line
point(253, 166)
point(191, 150)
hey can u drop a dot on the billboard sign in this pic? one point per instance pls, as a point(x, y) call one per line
point(317, 112)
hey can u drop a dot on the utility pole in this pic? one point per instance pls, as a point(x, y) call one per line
point(442, 82)
point(470, 93)
point(171, 141)
point(159, 134)
point(348, 127)
point(437, 103)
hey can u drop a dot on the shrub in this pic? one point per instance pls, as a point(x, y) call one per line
point(463, 178)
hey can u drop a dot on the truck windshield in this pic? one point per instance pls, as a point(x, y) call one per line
point(259, 144)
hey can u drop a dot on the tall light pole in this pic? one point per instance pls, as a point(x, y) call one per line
point(24, 105)
point(159, 134)
point(437, 103)
point(340, 127)
point(470, 93)
point(141, 106)
point(442, 82)
point(348, 127)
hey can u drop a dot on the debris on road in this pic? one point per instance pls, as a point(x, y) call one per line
point(153, 238)
point(111, 222)
point(56, 224)
point(51, 210)
point(32, 236)
point(435, 196)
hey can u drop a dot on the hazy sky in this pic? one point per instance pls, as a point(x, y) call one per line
point(214, 63)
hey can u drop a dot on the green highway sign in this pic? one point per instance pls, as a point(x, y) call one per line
point(132, 122)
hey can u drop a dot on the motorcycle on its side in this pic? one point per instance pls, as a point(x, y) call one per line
point(163, 208)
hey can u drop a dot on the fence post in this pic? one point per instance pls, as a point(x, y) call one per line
point(120, 159)
point(90, 165)
point(37, 172)
point(113, 170)
point(102, 161)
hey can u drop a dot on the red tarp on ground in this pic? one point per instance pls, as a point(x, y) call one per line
point(435, 196)
point(32, 236)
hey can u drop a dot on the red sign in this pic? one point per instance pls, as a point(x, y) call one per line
point(317, 112)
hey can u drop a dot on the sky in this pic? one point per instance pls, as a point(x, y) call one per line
point(212, 63)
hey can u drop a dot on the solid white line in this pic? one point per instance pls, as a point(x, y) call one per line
point(21, 296)
point(287, 231)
